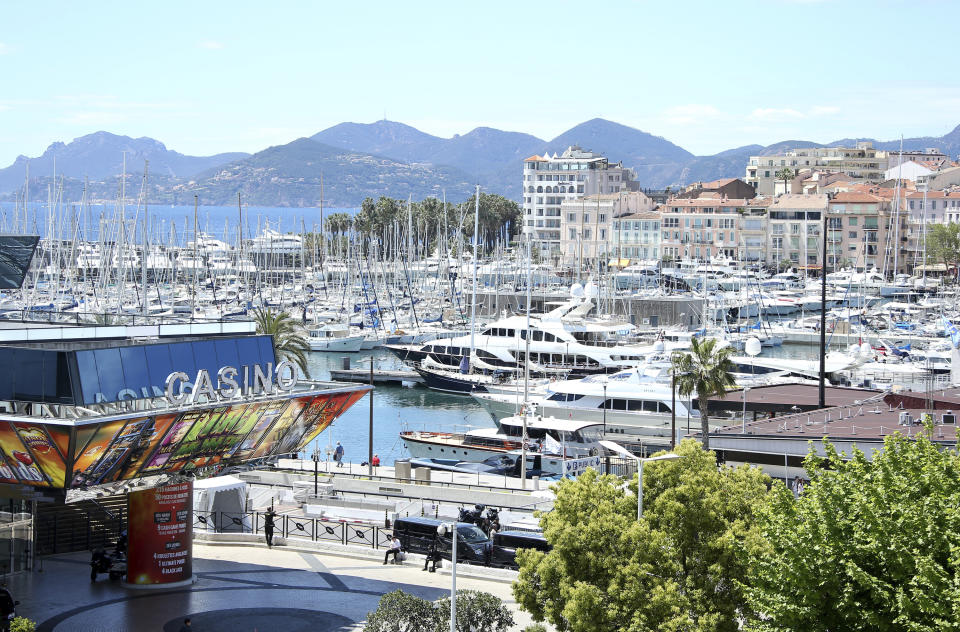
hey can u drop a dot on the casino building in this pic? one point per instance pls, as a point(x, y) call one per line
point(87, 408)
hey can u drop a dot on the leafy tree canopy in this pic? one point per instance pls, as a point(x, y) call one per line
point(476, 612)
point(678, 568)
point(870, 545)
point(943, 243)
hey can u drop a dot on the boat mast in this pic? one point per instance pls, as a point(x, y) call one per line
point(473, 302)
point(526, 362)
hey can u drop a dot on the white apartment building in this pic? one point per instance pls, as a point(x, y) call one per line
point(587, 222)
point(794, 225)
point(636, 236)
point(549, 180)
point(862, 163)
point(701, 228)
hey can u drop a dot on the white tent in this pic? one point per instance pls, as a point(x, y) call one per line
point(221, 500)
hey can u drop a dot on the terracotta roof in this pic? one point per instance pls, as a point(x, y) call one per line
point(707, 201)
point(855, 197)
point(534, 158)
point(716, 184)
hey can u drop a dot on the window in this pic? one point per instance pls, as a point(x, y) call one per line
point(853, 221)
point(852, 234)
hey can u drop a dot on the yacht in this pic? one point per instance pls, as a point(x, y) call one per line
point(555, 440)
point(271, 242)
point(635, 405)
point(559, 341)
point(334, 337)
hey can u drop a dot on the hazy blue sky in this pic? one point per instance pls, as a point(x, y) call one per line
point(206, 77)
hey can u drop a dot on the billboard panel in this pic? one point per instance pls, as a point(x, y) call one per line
point(34, 454)
point(31, 454)
point(160, 524)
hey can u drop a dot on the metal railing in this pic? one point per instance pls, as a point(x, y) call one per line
point(344, 533)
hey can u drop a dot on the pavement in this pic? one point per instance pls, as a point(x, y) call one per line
point(238, 588)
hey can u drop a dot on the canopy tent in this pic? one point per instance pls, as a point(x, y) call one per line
point(221, 500)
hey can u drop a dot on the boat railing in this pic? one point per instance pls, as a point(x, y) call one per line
point(27, 316)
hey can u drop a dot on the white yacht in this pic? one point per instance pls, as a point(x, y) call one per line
point(335, 337)
point(636, 403)
point(271, 242)
point(561, 340)
point(554, 440)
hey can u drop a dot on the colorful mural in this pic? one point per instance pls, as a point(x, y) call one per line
point(36, 454)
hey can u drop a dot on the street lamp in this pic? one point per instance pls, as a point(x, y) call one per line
point(442, 530)
point(316, 465)
point(619, 449)
point(743, 430)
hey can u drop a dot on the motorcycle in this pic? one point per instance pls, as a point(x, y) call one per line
point(114, 564)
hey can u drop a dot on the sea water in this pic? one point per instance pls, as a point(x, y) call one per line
point(219, 222)
point(395, 408)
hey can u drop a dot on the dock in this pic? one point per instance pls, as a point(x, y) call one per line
point(396, 378)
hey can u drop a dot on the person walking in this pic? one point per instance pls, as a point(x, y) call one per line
point(338, 455)
point(268, 523)
point(395, 548)
point(432, 556)
point(186, 627)
point(375, 462)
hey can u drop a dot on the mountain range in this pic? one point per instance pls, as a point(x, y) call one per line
point(361, 160)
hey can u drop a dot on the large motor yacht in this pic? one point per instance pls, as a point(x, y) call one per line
point(634, 405)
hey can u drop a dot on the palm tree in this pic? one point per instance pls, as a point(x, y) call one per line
point(707, 371)
point(785, 174)
point(288, 343)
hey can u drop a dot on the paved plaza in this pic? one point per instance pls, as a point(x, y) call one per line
point(238, 589)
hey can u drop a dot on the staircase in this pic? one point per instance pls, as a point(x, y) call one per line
point(80, 526)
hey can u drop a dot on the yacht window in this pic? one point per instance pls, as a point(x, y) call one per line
point(487, 332)
point(523, 334)
point(558, 397)
point(538, 336)
point(549, 337)
point(664, 408)
point(511, 333)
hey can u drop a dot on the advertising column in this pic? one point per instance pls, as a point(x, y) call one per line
point(160, 535)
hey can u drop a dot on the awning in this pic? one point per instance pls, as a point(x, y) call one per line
point(618, 263)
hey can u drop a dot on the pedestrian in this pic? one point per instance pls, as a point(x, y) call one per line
point(186, 627)
point(432, 556)
point(797, 487)
point(268, 519)
point(375, 462)
point(338, 455)
point(395, 548)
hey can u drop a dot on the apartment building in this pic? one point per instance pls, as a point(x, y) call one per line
point(636, 236)
point(921, 210)
point(862, 163)
point(794, 224)
point(857, 224)
point(701, 228)
point(931, 158)
point(587, 223)
point(550, 180)
point(939, 180)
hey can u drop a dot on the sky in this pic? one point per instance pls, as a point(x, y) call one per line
point(209, 77)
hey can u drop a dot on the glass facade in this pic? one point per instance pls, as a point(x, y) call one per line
point(94, 375)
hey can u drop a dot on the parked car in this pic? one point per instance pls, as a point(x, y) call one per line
point(506, 543)
point(419, 535)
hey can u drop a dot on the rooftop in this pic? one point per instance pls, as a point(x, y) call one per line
point(866, 422)
point(784, 397)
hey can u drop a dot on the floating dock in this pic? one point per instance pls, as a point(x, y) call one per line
point(379, 377)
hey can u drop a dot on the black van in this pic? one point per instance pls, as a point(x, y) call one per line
point(417, 535)
point(506, 543)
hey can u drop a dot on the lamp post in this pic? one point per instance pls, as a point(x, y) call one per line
point(316, 466)
point(605, 404)
point(442, 531)
point(743, 429)
point(619, 449)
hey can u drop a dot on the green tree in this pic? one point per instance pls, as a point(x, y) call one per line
point(707, 371)
point(496, 214)
point(476, 612)
point(870, 545)
point(785, 174)
point(678, 568)
point(401, 612)
point(288, 342)
point(943, 244)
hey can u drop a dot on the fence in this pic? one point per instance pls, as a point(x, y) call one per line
point(375, 537)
